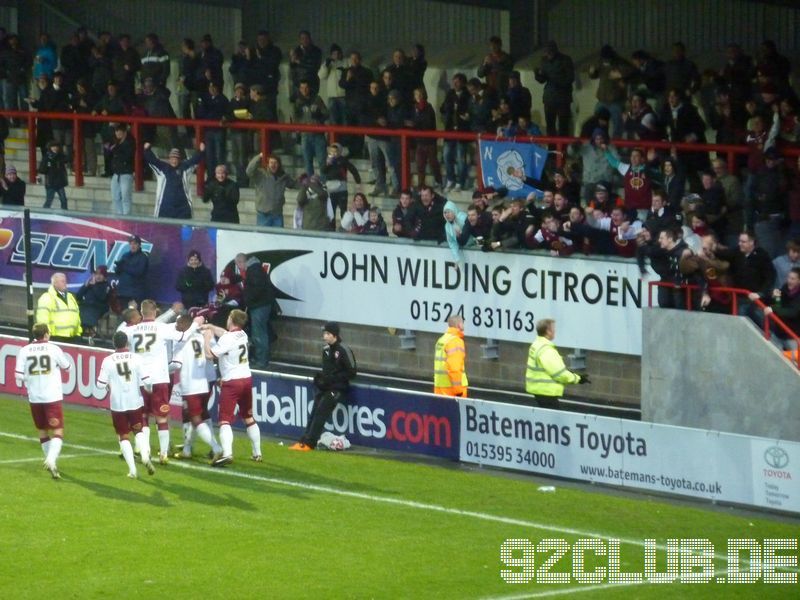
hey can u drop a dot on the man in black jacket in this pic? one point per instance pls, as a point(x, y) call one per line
point(752, 270)
point(194, 281)
point(120, 160)
point(338, 368)
point(259, 297)
point(431, 215)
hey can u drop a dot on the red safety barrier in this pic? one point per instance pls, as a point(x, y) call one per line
point(793, 356)
point(135, 122)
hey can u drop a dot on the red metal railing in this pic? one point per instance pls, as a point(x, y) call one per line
point(735, 293)
point(135, 122)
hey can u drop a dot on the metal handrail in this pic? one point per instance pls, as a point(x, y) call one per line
point(405, 135)
point(735, 293)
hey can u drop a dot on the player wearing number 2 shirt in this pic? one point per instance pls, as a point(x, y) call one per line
point(149, 339)
point(38, 368)
point(123, 374)
point(236, 388)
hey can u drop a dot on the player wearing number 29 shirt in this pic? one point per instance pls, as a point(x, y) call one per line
point(123, 374)
point(236, 389)
point(149, 340)
point(38, 368)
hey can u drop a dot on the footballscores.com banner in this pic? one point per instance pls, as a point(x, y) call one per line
point(678, 460)
point(597, 303)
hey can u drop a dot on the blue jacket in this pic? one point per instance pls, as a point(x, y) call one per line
point(173, 192)
point(131, 273)
point(450, 230)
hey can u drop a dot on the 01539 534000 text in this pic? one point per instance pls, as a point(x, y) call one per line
point(686, 560)
point(477, 316)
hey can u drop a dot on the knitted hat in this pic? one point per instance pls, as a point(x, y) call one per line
point(331, 327)
point(11, 170)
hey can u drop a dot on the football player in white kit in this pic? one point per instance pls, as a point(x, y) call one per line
point(195, 373)
point(38, 368)
point(123, 374)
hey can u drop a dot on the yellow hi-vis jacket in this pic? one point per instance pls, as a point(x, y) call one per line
point(63, 318)
point(448, 364)
point(546, 373)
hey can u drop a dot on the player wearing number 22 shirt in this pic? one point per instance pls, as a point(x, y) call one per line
point(150, 340)
point(236, 389)
point(38, 368)
point(123, 374)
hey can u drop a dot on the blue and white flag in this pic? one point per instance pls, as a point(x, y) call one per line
point(508, 165)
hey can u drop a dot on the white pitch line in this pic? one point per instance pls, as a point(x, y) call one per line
point(15, 461)
point(565, 591)
point(385, 500)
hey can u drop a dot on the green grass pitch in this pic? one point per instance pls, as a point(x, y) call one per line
point(321, 524)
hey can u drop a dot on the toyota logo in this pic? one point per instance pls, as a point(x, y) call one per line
point(776, 457)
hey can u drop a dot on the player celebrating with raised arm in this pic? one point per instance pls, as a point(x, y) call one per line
point(38, 368)
point(149, 339)
point(236, 388)
point(195, 371)
point(122, 373)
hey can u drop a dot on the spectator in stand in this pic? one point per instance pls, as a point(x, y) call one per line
point(604, 200)
point(355, 82)
point(125, 64)
point(15, 65)
point(785, 304)
point(266, 69)
point(357, 215)
point(601, 119)
point(131, 273)
point(262, 109)
point(519, 97)
point(211, 60)
point(673, 182)
point(455, 113)
point(74, 64)
point(769, 202)
point(119, 162)
point(240, 65)
point(376, 225)
point(83, 101)
point(270, 185)
point(789, 132)
point(728, 118)
point(477, 229)
point(424, 119)
point(213, 106)
point(680, 73)
point(613, 72)
point(100, 72)
point(155, 62)
point(596, 167)
point(379, 147)
point(189, 68)
point(614, 234)
point(562, 206)
point(154, 101)
point(557, 73)
point(771, 61)
point(44, 59)
point(312, 199)
point(738, 73)
point(52, 98)
point(406, 217)
point(194, 281)
point(431, 211)
point(513, 226)
point(496, 67)
point(110, 104)
point(223, 193)
point(565, 186)
point(734, 200)
point(650, 74)
point(661, 215)
point(638, 180)
point(480, 105)
point(335, 174)
point(752, 270)
point(331, 72)
point(309, 109)
point(786, 262)
point(12, 188)
point(550, 237)
point(417, 65)
point(665, 259)
point(522, 127)
point(402, 78)
point(92, 300)
point(454, 221)
point(641, 122)
point(173, 195)
point(684, 124)
point(241, 139)
point(304, 63)
point(396, 116)
point(54, 169)
point(715, 207)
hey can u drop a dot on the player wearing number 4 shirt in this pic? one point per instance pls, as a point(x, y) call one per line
point(195, 373)
point(38, 368)
point(123, 374)
point(236, 388)
point(149, 339)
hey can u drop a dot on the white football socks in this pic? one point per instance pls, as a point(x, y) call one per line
point(226, 439)
point(163, 442)
point(54, 450)
point(127, 454)
point(254, 433)
point(143, 443)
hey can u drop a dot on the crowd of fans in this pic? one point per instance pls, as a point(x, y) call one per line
point(598, 197)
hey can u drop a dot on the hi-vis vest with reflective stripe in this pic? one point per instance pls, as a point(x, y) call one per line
point(546, 373)
point(440, 377)
point(64, 320)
